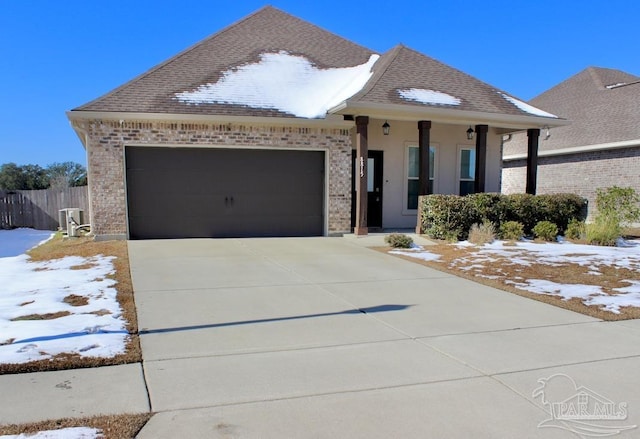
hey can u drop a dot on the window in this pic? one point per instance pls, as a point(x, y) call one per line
point(467, 170)
point(413, 169)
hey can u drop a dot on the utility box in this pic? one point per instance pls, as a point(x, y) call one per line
point(69, 219)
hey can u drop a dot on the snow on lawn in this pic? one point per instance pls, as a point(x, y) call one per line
point(285, 82)
point(527, 253)
point(17, 241)
point(63, 433)
point(418, 253)
point(35, 321)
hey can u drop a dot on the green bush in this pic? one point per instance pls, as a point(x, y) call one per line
point(446, 215)
point(451, 216)
point(398, 240)
point(560, 209)
point(511, 230)
point(521, 208)
point(619, 203)
point(546, 230)
point(603, 231)
point(575, 229)
point(484, 233)
point(486, 206)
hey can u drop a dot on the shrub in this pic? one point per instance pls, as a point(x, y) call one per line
point(521, 208)
point(619, 203)
point(603, 231)
point(398, 240)
point(575, 229)
point(546, 230)
point(560, 209)
point(484, 233)
point(511, 230)
point(451, 216)
point(486, 206)
point(443, 215)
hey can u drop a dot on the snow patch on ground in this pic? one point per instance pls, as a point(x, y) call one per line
point(36, 323)
point(429, 97)
point(526, 107)
point(17, 241)
point(417, 253)
point(284, 82)
point(527, 253)
point(626, 255)
point(63, 433)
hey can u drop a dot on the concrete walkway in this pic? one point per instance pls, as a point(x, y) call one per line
point(325, 338)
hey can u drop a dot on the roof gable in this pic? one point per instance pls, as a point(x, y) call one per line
point(273, 64)
point(268, 30)
point(602, 105)
point(404, 76)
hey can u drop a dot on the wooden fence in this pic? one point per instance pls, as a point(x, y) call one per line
point(39, 209)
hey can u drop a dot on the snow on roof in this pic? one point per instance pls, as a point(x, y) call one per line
point(430, 97)
point(619, 84)
point(284, 82)
point(526, 107)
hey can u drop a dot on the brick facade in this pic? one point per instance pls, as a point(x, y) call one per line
point(106, 169)
point(580, 173)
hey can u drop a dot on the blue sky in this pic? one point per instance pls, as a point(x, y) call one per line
point(56, 56)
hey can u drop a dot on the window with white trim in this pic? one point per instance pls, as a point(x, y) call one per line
point(413, 170)
point(466, 170)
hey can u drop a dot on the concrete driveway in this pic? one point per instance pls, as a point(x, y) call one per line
point(324, 338)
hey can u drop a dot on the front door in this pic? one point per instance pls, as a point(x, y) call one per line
point(374, 190)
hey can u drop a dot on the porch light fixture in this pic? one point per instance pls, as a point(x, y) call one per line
point(547, 134)
point(385, 128)
point(470, 133)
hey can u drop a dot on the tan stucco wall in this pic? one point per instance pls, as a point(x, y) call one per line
point(447, 139)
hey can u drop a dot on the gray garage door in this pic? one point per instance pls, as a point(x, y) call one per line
point(202, 193)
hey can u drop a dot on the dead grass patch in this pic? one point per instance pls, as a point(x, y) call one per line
point(124, 426)
point(500, 271)
point(101, 312)
point(7, 342)
point(57, 248)
point(75, 300)
point(47, 316)
point(27, 303)
point(85, 266)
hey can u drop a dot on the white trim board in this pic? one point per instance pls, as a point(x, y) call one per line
point(577, 149)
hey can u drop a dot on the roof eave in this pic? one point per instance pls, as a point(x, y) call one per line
point(334, 121)
point(578, 149)
point(446, 115)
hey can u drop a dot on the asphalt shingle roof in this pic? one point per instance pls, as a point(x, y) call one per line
point(267, 30)
point(403, 68)
point(270, 30)
point(602, 104)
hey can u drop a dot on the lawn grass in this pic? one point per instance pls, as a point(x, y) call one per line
point(112, 426)
point(500, 271)
point(59, 247)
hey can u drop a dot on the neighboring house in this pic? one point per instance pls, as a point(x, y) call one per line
point(601, 146)
point(268, 127)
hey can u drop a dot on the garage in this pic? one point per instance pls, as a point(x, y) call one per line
point(224, 192)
